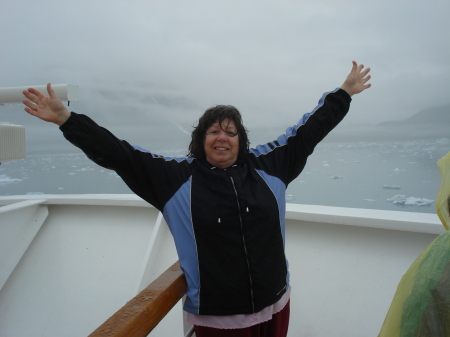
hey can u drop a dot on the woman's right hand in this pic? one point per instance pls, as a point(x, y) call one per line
point(48, 108)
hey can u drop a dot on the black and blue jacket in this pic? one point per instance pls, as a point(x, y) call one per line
point(228, 224)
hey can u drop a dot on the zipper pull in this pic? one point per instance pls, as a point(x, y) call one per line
point(247, 210)
point(218, 220)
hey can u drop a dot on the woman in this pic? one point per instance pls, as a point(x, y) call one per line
point(224, 203)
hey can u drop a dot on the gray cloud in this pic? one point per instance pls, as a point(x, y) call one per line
point(148, 69)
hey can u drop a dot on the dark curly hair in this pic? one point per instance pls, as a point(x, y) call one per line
point(218, 114)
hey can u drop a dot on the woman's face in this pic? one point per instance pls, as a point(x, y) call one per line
point(222, 144)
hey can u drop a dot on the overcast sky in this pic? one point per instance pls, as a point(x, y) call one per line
point(148, 69)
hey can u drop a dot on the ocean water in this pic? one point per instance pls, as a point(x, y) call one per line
point(386, 175)
point(400, 176)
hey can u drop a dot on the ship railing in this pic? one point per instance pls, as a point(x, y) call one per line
point(142, 314)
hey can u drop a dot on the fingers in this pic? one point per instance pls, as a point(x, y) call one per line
point(356, 81)
point(29, 104)
point(31, 94)
point(365, 72)
point(34, 95)
point(30, 107)
point(37, 93)
point(30, 111)
point(32, 102)
point(50, 91)
point(359, 68)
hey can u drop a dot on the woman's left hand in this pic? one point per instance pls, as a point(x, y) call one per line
point(356, 80)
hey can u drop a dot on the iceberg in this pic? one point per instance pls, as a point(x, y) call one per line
point(391, 187)
point(403, 200)
point(4, 179)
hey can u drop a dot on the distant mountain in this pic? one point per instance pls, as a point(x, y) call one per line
point(440, 116)
point(426, 124)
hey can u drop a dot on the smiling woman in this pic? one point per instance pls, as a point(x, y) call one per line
point(222, 144)
point(224, 203)
point(225, 118)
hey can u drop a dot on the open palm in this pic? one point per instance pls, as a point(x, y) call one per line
point(48, 108)
point(356, 81)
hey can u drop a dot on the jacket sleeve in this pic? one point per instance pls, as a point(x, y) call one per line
point(154, 178)
point(286, 156)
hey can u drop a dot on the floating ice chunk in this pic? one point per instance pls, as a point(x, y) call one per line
point(391, 187)
point(326, 165)
point(35, 193)
point(398, 199)
point(369, 200)
point(337, 177)
point(412, 201)
point(72, 173)
point(403, 200)
point(397, 170)
point(4, 179)
point(290, 197)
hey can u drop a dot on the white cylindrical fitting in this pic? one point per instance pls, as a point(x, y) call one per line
point(12, 142)
point(14, 95)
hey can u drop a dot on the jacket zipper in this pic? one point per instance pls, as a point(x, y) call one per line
point(245, 246)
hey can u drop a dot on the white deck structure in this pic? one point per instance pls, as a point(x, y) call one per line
point(68, 262)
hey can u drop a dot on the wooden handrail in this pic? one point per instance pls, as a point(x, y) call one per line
point(140, 315)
